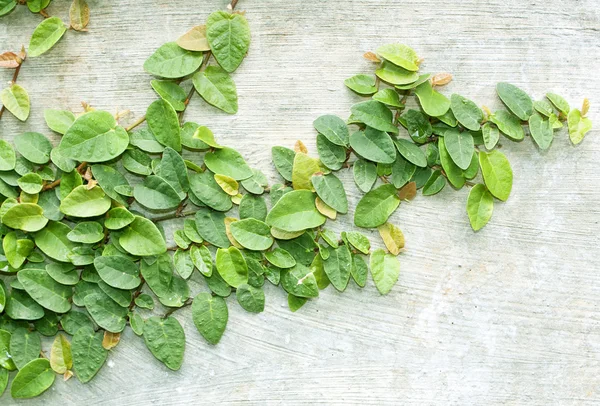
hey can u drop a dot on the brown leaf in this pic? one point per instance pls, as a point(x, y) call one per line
point(195, 39)
point(110, 340)
point(67, 375)
point(22, 53)
point(370, 56)
point(441, 79)
point(585, 107)
point(10, 60)
point(79, 13)
point(408, 191)
point(300, 147)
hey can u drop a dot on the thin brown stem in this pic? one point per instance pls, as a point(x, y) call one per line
point(174, 309)
point(174, 215)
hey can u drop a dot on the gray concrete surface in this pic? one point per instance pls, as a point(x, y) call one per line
point(508, 315)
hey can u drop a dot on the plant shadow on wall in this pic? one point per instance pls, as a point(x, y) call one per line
point(83, 252)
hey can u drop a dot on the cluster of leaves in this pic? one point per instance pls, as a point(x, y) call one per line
point(443, 140)
point(15, 98)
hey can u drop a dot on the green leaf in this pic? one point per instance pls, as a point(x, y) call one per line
point(365, 174)
point(374, 114)
point(373, 145)
point(45, 36)
point(400, 55)
point(559, 102)
point(142, 238)
point(35, 6)
point(138, 162)
point(418, 125)
point(283, 159)
point(210, 316)
point(433, 103)
point(295, 302)
point(106, 312)
point(156, 194)
point(389, 97)
point(411, 152)
point(333, 128)
point(422, 79)
point(84, 202)
point(88, 353)
point(33, 379)
point(331, 190)
point(232, 266)
point(280, 258)
point(250, 298)
point(31, 183)
point(228, 162)
point(45, 290)
point(146, 141)
point(25, 216)
point(497, 173)
point(337, 267)
point(331, 155)
point(163, 122)
point(395, 75)
point(6, 6)
point(402, 171)
point(59, 120)
point(295, 211)
point(460, 146)
point(16, 250)
point(118, 272)
point(202, 259)
point(491, 135)
point(63, 273)
point(118, 218)
point(205, 188)
point(34, 147)
point(256, 183)
point(253, 207)
point(165, 339)
point(172, 168)
point(359, 270)
point(453, 172)
point(541, 131)
point(376, 206)
point(362, 84)
point(16, 100)
point(480, 206)
point(53, 241)
point(6, 361)
point(211, 227)
point(7, 156)
point(61, 358)
point(158, 274)
point(578, 126)
point(304, 168)
point(516, 100)
point(217, 88)
point(87, 232)
point(434, 184)
point(109, 180)
point(385, 270)
point(25, 346)
point(509, 124)
point(170, 92)
point(468, 114)
point(300, 281)
point(358, 241)
point(252, 234)
point(171, 61)
point(229, 38)
point(94, 137)
point(191, 231)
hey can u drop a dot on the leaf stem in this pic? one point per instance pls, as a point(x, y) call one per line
point(136, 123)
point(173, 215)
point(174, 309)
point(13, 81)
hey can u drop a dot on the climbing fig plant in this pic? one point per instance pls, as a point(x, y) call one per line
point(84, 253)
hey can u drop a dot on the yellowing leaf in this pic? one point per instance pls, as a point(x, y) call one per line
point(300, 147)
point(228, 184)
point(324, 209)
point(408, 191)
point(79, 14)
point(195, 39)
point(110, 340)
point(303, 169)
point(285, 235)
point(60, 355)
point(392, 237)
point(441, 79)
point(585, 107)
point(370, 56)
point(228, 221)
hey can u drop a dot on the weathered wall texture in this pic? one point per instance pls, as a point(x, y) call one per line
point(508, 315)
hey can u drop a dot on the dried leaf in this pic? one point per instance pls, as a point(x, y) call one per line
point(324, 209)
point(110, 340)
point(228, 221)
point(79, 14)
point(441, 79)
point(408, 191)
point(370, 56)
point(392, 237)
point(300, 147)
point(585, 107)
point(195, 39)
point(67, 375)
point(9, 60)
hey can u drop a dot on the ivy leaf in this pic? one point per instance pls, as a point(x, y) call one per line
point(232, 266)
point(491, 135)
point(468, 114)
point(300, 281)
point(253, 207)
point(365, 174)
point(210, 316)
point(195, 39)
point(45, 290)
point(295, 211)
point(541, 131)
point(434, 184)
point(280, 258)
point(53, 241)
point(165, 339)
point(35, 6)
point(516, 100)
point(250, 298)
point(402, 171)
point(61, 358)
point(16, 100)
point(6, 6)
point(94, 137)
point(146, 141)
point(337, 267)
point(283, 159)
point(205, 188)
point(374, 114)
point(33, 379)
point(202, 259)
point(34, 147)
point(118, 272)
point(46, 35)
point(6, 361)
point(433, 103)
point(497, 173)
point(7, 156)
point(25, 346)
point(331, 190)
point(252, 234)
point(392, 237)
point(400, 55)
point(79, 15)
point(163, 122)
point(453, 172)
point(578, 126)
point(359, 241)
point(88, 353)
point(411, 152)
point(227, 161)
point(211, 227)
point(376, 206)
point(389, 97)
point(106, 312)
point(359, 270)
point(422, 79)
point(20, 306)
point(84, 202)
point(385, 270)
point(362, 84)
point(25, 216)
point(559, 102)
point(304, 168)
point(171, 61)
point(170, 92)
point(333, 128)
point(218, 88)
point(229, 38)
point(109, 180)
point(395, 75)
point(418, 125)
point(509, 124)
point(373, 145)
point(480, 206)
point(142, 238)
point(460, 146)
